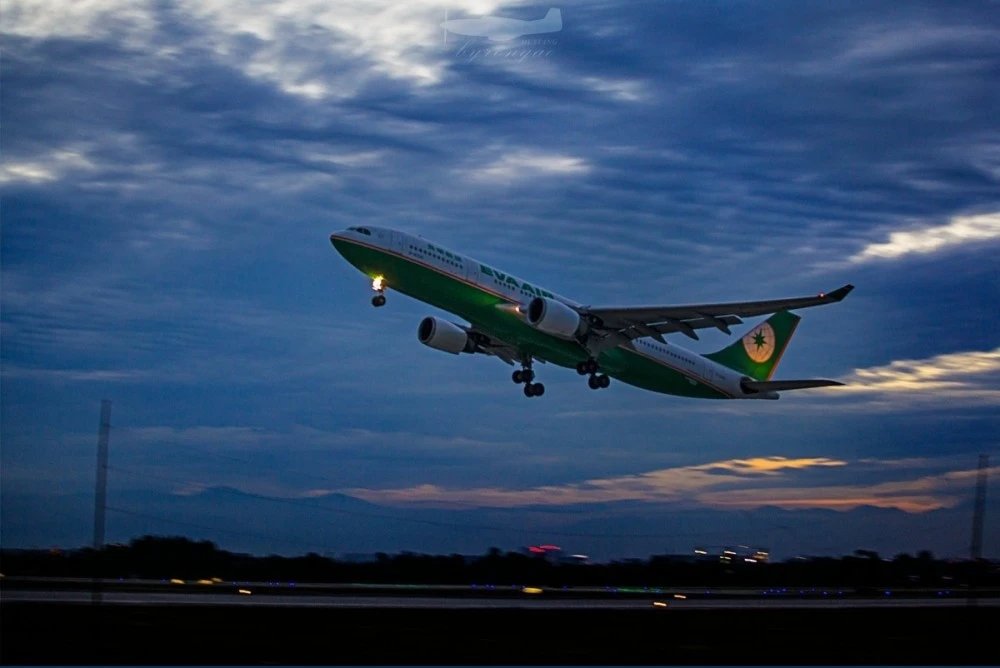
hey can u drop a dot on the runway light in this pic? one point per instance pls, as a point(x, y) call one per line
point(680, 596)
point(176, 581)
point(659, 604)
point(245, 592)
point(531, 590)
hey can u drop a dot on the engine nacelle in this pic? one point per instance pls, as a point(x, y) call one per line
point(555, 318)
point(443, 335)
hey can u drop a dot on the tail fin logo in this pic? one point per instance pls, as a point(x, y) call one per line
point(759, 343)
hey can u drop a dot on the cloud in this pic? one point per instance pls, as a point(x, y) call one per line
point(42, 169)
point(525, 165)
point(673, 484)
point(966, 378)
point(772, 465)
point(917, 495)
point(700, 485)
point(300, 46)
point(92, 19)
point(960, 231)
point(296, 44)
point(303, 438)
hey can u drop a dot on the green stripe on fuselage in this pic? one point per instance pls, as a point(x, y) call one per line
point(478, 305)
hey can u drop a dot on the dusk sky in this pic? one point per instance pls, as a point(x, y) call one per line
point(172, 170)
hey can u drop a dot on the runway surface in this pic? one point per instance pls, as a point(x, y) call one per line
point(158, 623)
point(526, 601)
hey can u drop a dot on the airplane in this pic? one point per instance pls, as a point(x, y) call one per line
point(499, 28)
point(521, 322)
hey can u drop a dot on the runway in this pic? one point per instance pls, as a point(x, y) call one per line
point(444, 602)
point(157, 623)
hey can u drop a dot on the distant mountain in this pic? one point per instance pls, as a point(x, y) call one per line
point(336, 524)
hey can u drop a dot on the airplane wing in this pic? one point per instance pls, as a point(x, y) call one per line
point(637, 321)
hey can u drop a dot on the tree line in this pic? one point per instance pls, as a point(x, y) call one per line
point(168, 557)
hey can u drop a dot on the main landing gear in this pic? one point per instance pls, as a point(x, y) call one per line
point(526, 375)
point(597, 380)
point(378, 285)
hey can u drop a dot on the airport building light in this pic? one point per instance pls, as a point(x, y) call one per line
point(728, 554)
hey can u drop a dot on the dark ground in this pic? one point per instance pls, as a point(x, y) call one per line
point(47, 633)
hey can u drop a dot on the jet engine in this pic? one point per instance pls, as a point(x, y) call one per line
point(443, 335)
point(555, 318)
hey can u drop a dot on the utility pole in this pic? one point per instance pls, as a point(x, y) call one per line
point(101, 493)
point(976, 544)
point(979, 510)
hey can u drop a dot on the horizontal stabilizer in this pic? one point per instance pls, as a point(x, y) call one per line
point(780, 385)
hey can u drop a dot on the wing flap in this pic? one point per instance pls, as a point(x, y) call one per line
point(488, 344)
point(720, 323)
point(698, 316)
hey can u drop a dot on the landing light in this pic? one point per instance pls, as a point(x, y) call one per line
point(513, 309)
point(378, 283)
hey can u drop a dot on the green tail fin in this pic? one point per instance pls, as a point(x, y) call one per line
point(757, 354)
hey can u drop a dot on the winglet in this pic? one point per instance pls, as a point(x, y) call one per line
point(838, 294)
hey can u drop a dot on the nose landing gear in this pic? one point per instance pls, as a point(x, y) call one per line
point(378, 285)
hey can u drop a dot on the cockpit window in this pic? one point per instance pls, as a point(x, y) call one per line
point(362, 230)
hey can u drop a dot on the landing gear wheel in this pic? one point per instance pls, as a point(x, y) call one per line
point(528, 375)
point(534, 389)
point(598, 381)
point(517, 377)
point(581, 368)
point(378, 300)
point(590, 366)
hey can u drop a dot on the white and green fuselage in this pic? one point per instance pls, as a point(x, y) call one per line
point(493, 301)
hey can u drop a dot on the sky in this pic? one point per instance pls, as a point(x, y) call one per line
point(171, 172)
